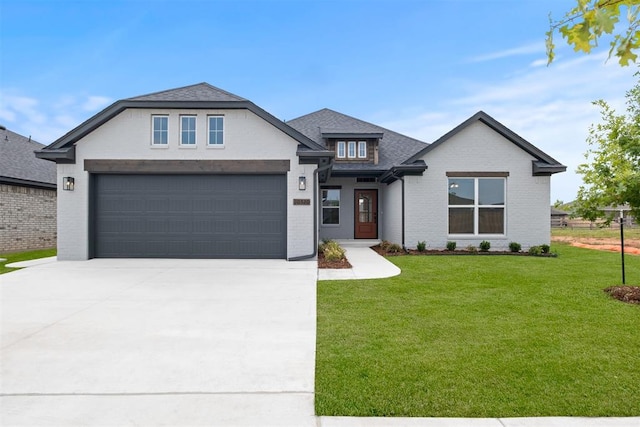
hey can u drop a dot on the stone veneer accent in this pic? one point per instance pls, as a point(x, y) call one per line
point(27, 218)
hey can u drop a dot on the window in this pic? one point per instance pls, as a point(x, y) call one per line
point(330, 206)
point(352, 150)
point(476, 205)
point(341, 150)
point(362, 149)
point(188, 130)
point(216, 131)
point(160, 130)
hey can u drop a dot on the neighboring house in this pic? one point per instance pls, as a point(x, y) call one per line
point(559, 218)
point(27, 195)
point(197, 172)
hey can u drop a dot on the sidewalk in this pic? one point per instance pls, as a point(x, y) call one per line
point(366, 263)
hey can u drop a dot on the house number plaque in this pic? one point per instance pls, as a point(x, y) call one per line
point(302, 202)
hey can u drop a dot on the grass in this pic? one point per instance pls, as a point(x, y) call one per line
point(603, 233)
point(481, 337)
point(23, 256)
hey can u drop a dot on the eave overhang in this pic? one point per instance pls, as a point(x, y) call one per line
point(415, 168)
point(58, 155)
point(27, 183)
point(540, 168)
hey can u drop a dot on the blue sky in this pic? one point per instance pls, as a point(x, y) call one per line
point(417, 67)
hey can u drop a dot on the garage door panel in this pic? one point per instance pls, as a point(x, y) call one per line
point(189, 216)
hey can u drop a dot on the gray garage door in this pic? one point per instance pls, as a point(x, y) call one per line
point(189, 216)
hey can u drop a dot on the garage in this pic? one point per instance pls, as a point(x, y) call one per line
point(188, 216)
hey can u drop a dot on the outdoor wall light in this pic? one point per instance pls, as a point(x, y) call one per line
point(68, 183)
point(302, 183)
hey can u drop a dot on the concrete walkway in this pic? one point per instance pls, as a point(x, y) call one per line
point(366, 263)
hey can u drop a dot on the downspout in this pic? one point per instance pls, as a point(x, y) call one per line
point(315, 214)
point(401, 178)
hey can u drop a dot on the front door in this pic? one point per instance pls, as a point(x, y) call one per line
point(366, 214)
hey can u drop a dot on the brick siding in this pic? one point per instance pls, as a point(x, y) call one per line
point(27, 218)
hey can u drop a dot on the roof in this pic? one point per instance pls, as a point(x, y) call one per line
point(198, 96)
point(394, 147)
point(19, 165)
point(543, 165)
point(198, 92)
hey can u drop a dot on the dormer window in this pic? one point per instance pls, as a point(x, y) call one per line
point(362, 149)
point(351, 153)
point(341, 150)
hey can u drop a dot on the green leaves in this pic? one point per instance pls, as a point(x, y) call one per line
point(611, 174)
point(590, 20)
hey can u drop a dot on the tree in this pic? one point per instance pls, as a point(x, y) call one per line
point(586, 23)
point(611, 175)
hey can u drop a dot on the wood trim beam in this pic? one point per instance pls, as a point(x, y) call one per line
point(478, 174)
point(193, 167)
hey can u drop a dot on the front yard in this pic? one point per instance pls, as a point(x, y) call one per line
point(23, 256)
point(496, 336)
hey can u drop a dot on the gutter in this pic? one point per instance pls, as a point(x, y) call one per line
point(315, 214)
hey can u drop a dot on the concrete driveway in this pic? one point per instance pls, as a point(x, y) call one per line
point(159, 342)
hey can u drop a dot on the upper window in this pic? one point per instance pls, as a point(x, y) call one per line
point(476, 206)
point(341, 149)
point(187, 130)
point(160, 130)
point(351, 149)
point(216, 131)
point(362, 149)
point(331, 206)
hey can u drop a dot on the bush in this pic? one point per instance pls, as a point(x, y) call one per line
point(545, 249)
point(451, 246)
point(384, 245)
point(421, 246)
point(535, 250)
point(515, 247)
point(394, 248)
point(484, 246)
point(331, 250)
point(472, 249)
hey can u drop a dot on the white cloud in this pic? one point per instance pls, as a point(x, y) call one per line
point(551, 107)
point(528, 49)
point(94, 103)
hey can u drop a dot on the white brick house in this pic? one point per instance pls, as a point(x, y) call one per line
point(197, 172)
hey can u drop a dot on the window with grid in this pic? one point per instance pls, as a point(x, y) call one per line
point(216, 131)
point(477, 206)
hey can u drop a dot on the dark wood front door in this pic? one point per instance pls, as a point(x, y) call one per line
point(366, 214)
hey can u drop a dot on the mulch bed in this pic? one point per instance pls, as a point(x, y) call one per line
point(323, 263)
point(382, 252)
point(630, 294)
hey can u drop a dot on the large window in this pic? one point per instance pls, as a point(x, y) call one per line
point(476, 205)
point(188, 130)
point(330, 206)
point(160, 130)
point(216, 131)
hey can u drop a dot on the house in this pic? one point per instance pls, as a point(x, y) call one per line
point(27, 195)
point(197, 172)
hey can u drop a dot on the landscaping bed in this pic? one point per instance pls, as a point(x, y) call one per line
point(630, 294)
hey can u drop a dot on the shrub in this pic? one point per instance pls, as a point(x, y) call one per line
point(515, 247)
point(384, 245)
point(394, 248)
point(535, 250)
point(451, 246)
point(472, 249)
point(331, 250)
point(484, 246)
point(421, 246)
point(545, 249)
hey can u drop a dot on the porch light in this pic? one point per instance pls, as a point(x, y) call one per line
point(68, 183)
point(302, 183)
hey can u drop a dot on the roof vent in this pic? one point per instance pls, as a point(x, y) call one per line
point(2, 127)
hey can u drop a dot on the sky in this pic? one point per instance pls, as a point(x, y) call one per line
point(417, 67)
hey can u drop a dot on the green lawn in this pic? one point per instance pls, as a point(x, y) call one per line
point(481, 336)
point(23, 256)
point(602, 233)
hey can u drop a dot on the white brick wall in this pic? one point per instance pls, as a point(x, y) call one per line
point(478, 148)
point(392, 212)
point(128, 136)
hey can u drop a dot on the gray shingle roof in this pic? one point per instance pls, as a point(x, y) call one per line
point(198, 92)
point(394, 148)
point(19, 163)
